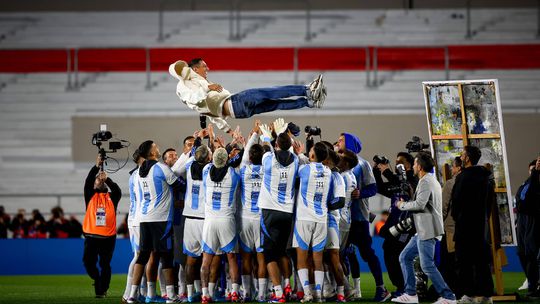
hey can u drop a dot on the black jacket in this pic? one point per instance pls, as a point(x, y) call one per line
point(89, 190)
point(472, 198)
point(528, 219)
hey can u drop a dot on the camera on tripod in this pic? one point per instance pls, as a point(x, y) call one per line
point(313, 131)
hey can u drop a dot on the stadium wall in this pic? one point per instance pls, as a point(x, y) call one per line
point(64, 256)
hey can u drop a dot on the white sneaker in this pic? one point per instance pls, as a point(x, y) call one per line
point(316, 90)
point(308, 298)
point(329, 293)
point(442, 300)
point(466, 300)
point(405, 298)
point(525, 285)
point(352, 295)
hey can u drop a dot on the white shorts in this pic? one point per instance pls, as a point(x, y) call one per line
point(134, 238)
point(309, 235)
point(343, 237)
point(332, 238)
point(219, 236)
point(250, 234)
point(193, 229)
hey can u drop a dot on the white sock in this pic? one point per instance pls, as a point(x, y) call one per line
point(303, 275)
point(262, 288)
point(161, 279)
point(127, 291)
point(278, 291)
point(197, 284)
point(190, 290)
point(171, 293)
point(151, 292)
point(246, 283)
point(287, 282)
point(341, 290)
point(235, 287)
point(181, 281)
point(319, 283)
point(327, 282)
point(205, 292)
point(143, 286)
point(211, 288)
point(133, 292)
point(347, 283)
point(356, 284)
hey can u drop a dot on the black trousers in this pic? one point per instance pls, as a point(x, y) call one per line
point(359, 236)
point(99, 249)
point(447, 267)
point(392, 249)
point(473, 264)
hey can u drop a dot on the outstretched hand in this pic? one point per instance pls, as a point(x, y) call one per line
point(298, 147)
point(280, 126)
point(215, 87)
point(266, 132)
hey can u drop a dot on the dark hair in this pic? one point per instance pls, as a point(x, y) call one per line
point(473, 153)
point(425, 161)
point(533, 163)
point(321, 151)
point(136, 156)
point(350, 158)
point(267, 148)
point(256, 153)
point(328, 145)
point(195, 61)
point(408, 157)
point(458, 162)
point(334, 157)
point(168, 150)
point(145, 147)
point(186, 139)
point(283, 141)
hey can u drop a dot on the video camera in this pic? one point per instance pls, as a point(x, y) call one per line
point(313, 131)
point(104, 136)
point(381, 160)
point(416, 145)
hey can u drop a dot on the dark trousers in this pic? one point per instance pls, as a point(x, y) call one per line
point(359, 236)
point(530, 265)
point(447, 267)
point(473, 268)
point(392, 249)
point(102, 249)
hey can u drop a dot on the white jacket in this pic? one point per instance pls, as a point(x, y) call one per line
point(192, 89)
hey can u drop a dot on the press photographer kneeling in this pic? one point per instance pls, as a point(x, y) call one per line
point(397, 229)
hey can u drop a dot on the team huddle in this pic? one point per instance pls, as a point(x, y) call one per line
point(254, 209)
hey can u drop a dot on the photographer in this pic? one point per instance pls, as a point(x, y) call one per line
point(428, 221)
point(399, 185)
point(99, 226)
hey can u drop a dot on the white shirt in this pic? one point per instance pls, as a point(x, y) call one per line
point(337, 192)
point(277, 192)
point(220, 197)
point(314, 193)
point(157, 203)
point(135, 199)
point(194, 198)
point(345, 212)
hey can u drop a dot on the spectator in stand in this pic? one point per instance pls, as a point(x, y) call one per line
point(19, 225)
point(58, 225)
point(37, 227)
point(75, 227)
point(5, 220)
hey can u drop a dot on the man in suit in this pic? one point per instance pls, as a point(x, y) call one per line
point(428, 221)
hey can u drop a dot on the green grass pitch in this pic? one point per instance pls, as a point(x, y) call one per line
point(52, 289)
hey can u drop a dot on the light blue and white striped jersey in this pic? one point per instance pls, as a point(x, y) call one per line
point(364, 177)
point(194, 198)
point(345, 212)
point(158, 205)
point(338, 191)
point(251, 178)
point(277, 192)
point(135, 199)
point(316, 184)
point(220, 197)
